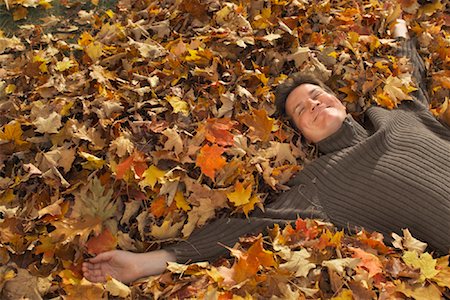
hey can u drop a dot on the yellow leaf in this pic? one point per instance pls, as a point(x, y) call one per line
point(430, 292)
point(93, 162)
point(248, 207)
point(94, 50)
point(333, 54)
point(240, 196)
point(397, 90)
point(181, 202)
point(12, 132)
point(85, 39)
point(424, 262)
point(384, 100)
point(151, 176)
point(9, 275)
point(178, 105)
point(430, 8)
point(345, 294)
point(43, 68)
point(7, 197)
point(45, 4)
point(10, 88)
point(65, 64)
point(110, 13)
point(167, 230)
point(193, 55)
point(117, 288)
point(443, 277)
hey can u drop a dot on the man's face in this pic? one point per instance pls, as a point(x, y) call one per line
point(316, 113)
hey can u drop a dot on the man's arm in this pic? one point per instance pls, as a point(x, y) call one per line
point(207, 243)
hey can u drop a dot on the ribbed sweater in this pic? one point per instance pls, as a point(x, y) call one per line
point(392, 173)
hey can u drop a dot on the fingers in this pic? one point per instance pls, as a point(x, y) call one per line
point(95, 275)
point(92, 268)
point(102, 257)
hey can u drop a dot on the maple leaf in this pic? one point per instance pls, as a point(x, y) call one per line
point(259, 123)
point(181, 202)
point(174, 140)
point(65, 64)
point(338, 265)
point(429, 292)
point(93, 200)
point(46, 247)
point(408, 242)
point(12, 132)
point(117, 288)
point(178, 105)
point(443, 277)
point(105, 241)
point(248, 263)
point(168, 229)
point(93, 162)
point(84, 289)
point(397, 90)
point(151, 176)
point(217, 131)
point(158, 206)
point(298, 263)
point(122, 145)
point(210, 160)
point(136, 162)
point(241, 195)
point(248, 207)
point(369, 261)
point(424, 262)
point(352, 96)
point(68, 229)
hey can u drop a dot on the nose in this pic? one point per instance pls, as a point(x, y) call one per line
point(312, 104)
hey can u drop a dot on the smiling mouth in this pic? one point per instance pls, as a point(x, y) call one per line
point(320, 109)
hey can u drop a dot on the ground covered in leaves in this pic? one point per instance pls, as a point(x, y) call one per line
point(130, 127)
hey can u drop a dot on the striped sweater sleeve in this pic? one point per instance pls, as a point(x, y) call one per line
point(208, 242)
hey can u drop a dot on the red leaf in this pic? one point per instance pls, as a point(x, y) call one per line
point(105, 241)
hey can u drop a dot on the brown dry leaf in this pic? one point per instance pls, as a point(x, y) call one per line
point(260, 125)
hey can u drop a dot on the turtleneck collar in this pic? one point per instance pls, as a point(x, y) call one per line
point(350, 133)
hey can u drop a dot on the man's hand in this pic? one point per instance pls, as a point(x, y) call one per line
point(400, 29)
point(126, 266)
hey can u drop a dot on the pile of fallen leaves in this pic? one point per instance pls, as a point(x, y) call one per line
point(131, 127)
point(312, 261)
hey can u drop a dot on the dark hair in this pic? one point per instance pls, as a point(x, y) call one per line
point(283, 90)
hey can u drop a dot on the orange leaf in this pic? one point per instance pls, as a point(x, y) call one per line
point(46, 247)
point(369, 261)
point(123, 167)
point(158, 207)
point(218, 131)
point(260, 125)
point(352, 96)
point(136, 160)
point(210, 160)
point(105, 241)
point(249, 263)
point(310, 231)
